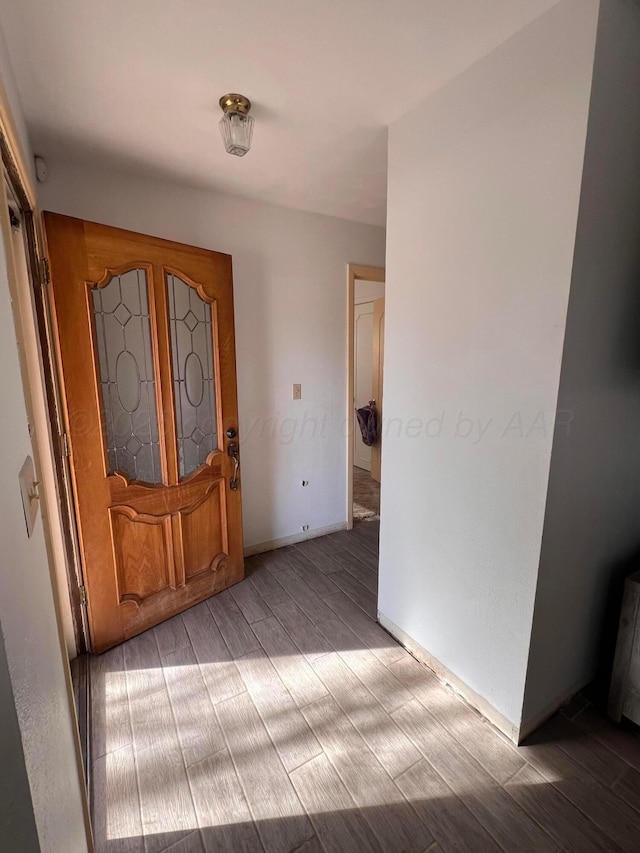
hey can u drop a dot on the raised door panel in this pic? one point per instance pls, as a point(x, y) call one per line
point(203, 530)
point(143, 555)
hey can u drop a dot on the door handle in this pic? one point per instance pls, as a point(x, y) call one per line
point(234, 453)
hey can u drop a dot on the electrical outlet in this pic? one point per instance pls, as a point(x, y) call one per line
point(297, 392)
point(305, 482)
point(305, 527)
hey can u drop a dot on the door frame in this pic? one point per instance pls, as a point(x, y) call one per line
point(41, 381)
point(40, 385)
point(355, 272)
point(362, 310)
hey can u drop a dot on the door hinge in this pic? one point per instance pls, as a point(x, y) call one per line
point(65, 445)
point(83, 596)
point(46, 274)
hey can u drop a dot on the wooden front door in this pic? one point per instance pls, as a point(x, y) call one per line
point(147, 355)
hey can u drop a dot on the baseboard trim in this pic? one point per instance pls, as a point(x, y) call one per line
point(447, 677)
point(274, 544)
point(81, 680)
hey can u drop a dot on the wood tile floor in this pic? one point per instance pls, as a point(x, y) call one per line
point(278, 716)
point(366, 495)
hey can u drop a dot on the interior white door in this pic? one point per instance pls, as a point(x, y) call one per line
point(363, 380)
point(378, 369)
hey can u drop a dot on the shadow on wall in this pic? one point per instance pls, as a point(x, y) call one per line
point(625, 344)
point(254, 383)
point(598, 690)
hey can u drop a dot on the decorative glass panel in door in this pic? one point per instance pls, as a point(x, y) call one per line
point(194, 380)
point(127, 381)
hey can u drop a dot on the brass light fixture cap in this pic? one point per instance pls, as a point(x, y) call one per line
point(235, 103)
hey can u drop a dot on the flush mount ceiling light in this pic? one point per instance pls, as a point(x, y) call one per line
point(236, 125)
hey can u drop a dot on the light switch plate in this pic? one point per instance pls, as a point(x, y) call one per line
point(29, 493)
point(297, 392)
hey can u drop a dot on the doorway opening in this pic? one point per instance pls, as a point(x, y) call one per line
point(365, 318)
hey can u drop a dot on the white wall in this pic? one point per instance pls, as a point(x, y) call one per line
point(37, 674)
point(28, 621)
point(8, 84)
point(17, 821)
point(33, 363)
point(592, 524)
point(484, 183)
point(290, 292)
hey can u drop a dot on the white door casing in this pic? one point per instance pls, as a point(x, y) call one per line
point(363, 378)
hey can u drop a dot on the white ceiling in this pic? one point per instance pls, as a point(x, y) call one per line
point(134, 85)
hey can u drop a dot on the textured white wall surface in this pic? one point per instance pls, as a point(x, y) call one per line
point(484, 185)
point(592, 532)
point(17, 821)
point(28, 623)
point(290, 293)
point(34, 654)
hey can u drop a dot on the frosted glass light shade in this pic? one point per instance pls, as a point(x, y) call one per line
point(236, 130)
